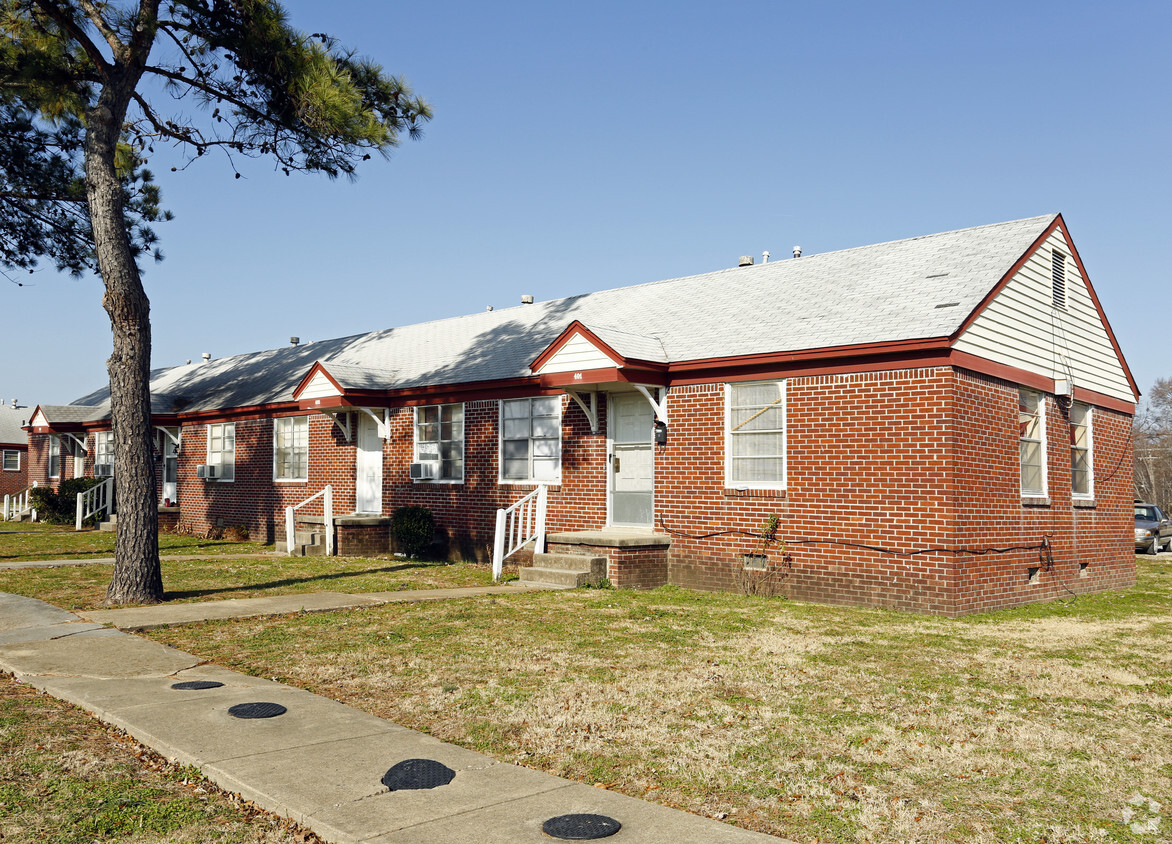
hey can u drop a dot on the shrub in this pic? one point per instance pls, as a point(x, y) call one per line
point(413, 529)
point(60, 507)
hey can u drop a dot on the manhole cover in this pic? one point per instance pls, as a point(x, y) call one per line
point(581, 827)
point(417, 773)
point(192, 685)
point(256, 710)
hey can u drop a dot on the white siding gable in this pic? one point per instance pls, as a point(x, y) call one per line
point(577, 355)
point(1022, 328)
point(319, 387)
point(39, 420)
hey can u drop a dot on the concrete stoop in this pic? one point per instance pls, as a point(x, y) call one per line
point(566, 570)
point(110, 524)
point(305, 544)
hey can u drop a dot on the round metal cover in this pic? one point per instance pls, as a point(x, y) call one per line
point(192, 685)
point(417, 773)
point(581, 827)
point(256, 710)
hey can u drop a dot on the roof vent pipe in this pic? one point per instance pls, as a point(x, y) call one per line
point(797, 251)
point(746, 261)
point(765, 257)
point(526, 298)
point(206, 356)
point(489, 308)
point(293, 341)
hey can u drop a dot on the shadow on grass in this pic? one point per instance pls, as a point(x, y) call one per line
point(105, 553)
point(292, 581)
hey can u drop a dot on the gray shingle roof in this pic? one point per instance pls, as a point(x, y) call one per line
point(12, 421)
point(870, 294)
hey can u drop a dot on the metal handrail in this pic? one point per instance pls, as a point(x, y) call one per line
point(94, 502)
point(328, 512)
point(519, 525)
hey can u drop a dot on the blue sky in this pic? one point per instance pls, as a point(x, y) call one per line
point(586, 146)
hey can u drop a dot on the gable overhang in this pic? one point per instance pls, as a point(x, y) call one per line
point(574, 329)
point(1058, 224)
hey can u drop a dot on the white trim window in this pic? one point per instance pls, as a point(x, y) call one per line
point(222, 449)
point(755, 435)
point(531, 439)
point(1031, 419)
point(1082, 476)
point(11, 460)
point(103, 453)
point(54, 457)
point(439, 439)
point(291, 448)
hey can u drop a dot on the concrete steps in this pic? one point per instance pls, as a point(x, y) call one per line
point(305, 544)
point(565, 570)
point(110, 524)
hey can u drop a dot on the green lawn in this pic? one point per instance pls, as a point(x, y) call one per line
point(22, 541)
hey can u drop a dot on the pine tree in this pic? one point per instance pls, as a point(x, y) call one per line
point(81, 115)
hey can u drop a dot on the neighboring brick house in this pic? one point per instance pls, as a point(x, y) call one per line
point(13, 448)
point(939, 424)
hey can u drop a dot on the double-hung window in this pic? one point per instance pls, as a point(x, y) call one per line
point(291, 448)
point(222, 449)
point(439, 440)
point(531, 439)
point(1081, 461)
point(11, 460)
point(54, 457)
point(755, 435)
point(103, 454)
point(1031, 418)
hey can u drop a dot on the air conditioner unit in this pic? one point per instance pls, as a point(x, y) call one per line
point(207, 471)
point(424, 471)
point(103, 470)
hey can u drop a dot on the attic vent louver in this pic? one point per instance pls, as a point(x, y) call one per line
point(746, 261)
point(1058, 273)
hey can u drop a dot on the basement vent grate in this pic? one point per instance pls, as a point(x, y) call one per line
point(260, 709)
point(417, 774)
point(195, 685)
point(581, 827)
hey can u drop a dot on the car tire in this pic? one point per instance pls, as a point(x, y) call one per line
point(1154, 548)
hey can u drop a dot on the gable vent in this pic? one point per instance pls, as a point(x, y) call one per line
point(1058, 272)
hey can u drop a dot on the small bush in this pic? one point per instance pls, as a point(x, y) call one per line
point(60, 507)
point(413, 529)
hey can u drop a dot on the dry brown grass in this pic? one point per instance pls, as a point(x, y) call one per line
point(815, 723)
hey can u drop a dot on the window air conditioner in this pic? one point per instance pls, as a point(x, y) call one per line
point(103, 470)
point(207, 471)
point(424, 471)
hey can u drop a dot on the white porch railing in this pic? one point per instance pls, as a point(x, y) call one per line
point(94, 502)
point(17, 504)
point(518, 525)
point(327, 510)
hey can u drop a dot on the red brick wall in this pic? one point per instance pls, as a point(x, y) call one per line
point(13, 482)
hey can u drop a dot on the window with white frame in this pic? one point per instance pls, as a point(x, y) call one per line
point(103, 454)
point(1031, 418)
point(531, 439)
point(1081, 461)
point(291, 448)
point(755, 435)
point(11, 460)
point(54, 457)
point(439, 439)
point(222, 449)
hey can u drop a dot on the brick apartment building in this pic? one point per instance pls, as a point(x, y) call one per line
point(13, 448)
point(939, 424)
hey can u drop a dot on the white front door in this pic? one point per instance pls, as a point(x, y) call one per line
point(368, 482)
point(170, 471)
point(632, 425)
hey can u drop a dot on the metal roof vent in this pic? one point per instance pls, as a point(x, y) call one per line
point(797, 251)
point(293, 341)
point(206, 356)
point(526, 298)
point(765, 257)
point(746, 261)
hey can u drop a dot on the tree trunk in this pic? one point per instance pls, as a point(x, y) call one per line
point(137, 576)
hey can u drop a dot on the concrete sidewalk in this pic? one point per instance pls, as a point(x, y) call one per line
point(320, 763)
point(166, 615)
